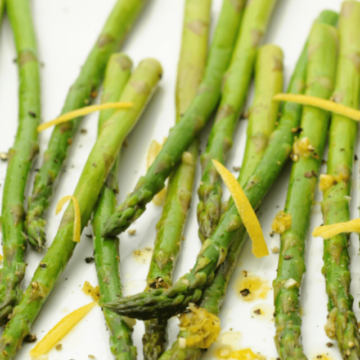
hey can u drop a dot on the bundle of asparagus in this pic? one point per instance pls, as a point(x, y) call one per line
point(170, 226)
point(113, 132)
point(21, 156)
point(236, 82)
point(81, 93)
point(307, 156)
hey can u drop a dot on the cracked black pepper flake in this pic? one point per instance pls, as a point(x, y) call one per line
point(89, 260)
point(244, 292)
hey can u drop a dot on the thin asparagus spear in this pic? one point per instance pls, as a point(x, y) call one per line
point(170, 226)
point(342, 323)
point(21, 157)
point(106, 254)
point(268, 82)
point(98, 165)
point(185, 131)
point(85, 88)
point(160, 303)
point(322, 55)
point(237, 80)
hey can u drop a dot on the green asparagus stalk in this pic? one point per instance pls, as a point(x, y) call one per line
point(322, 55)
point(170, 227)
point(98, 165)
point(21, 157)
point(342, 324)
point(185, 131)
point(165, 303)
point(213, 297)
point(237, 80)
point(106, 253)
point(85, 88)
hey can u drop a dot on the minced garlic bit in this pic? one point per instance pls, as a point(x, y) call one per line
point(202, 327)
point(77, 220)
point(94, 292)
point(327, 105)
point(84, 111)
point(153, 152)
point(58, 332)
point(302, 148)
point(328, 231)
point(245, 210)
point(327, 181)
point(281, 222)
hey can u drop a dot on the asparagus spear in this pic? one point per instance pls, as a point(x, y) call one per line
point(322, 57)
point(335, 206)
point(268, 82)
point(120, 20)
point(106, 254)
point(21, 156)
point(161, 303)
point(98, 165)
point(170, 226)
point(237, 80)
point(185, 131)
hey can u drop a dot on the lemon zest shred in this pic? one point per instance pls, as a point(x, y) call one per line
point(60, 330)
point(245, 210)
point(77, 221)
point(1, 257)
point(84, 111)
point(281, 222)
point(327, 105)
point(153, 152)
point(202, 327)
point(328, 231)
point(94, 292)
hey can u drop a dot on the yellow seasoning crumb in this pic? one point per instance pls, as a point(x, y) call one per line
point(58, 347)
point(245, 210)
point(281, 222)
point(251, 287)
point(153, 152)
point(143, 256)
point(303, 148)
point(131, 232)
point(327, 181)
point(202, 327)
point(94, 292)
point(77, 220)
point(243, 354)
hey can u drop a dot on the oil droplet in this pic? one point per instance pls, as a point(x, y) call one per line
point(143, 256)
point(263, 311)
point(251, 287)
point(322, 357)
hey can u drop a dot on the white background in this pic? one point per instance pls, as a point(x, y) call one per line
point(66, 31)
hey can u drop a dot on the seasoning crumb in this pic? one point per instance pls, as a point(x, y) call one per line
point(319, 356)
point(329, 344)
point(275, 250)
point(257, 312)
point(3, 156)
point(245, 292)
point(236, 168)
point(125, 143)
point(83, 131)
point(31, 338)
point(69, 141)
point(58, 347)
point(355, 157)
point(91, 357)
point(89, 259)
point(132, 231)
point(288, 257)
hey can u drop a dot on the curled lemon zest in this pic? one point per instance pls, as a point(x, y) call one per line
point(60, 330)
point(321, 104)
point(77, 221)
point(153, 152)
point(245, 210)
point(281, 222)
point(328, 231)
point(84, 111)
point(94, 292)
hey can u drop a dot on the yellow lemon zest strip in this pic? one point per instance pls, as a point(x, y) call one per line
point(245, 210)
point(84, 111)
point(60, 330)
point(94, 292)
point(77, 225)
point(328, 231)
point(320, 103)
point(1, 257)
